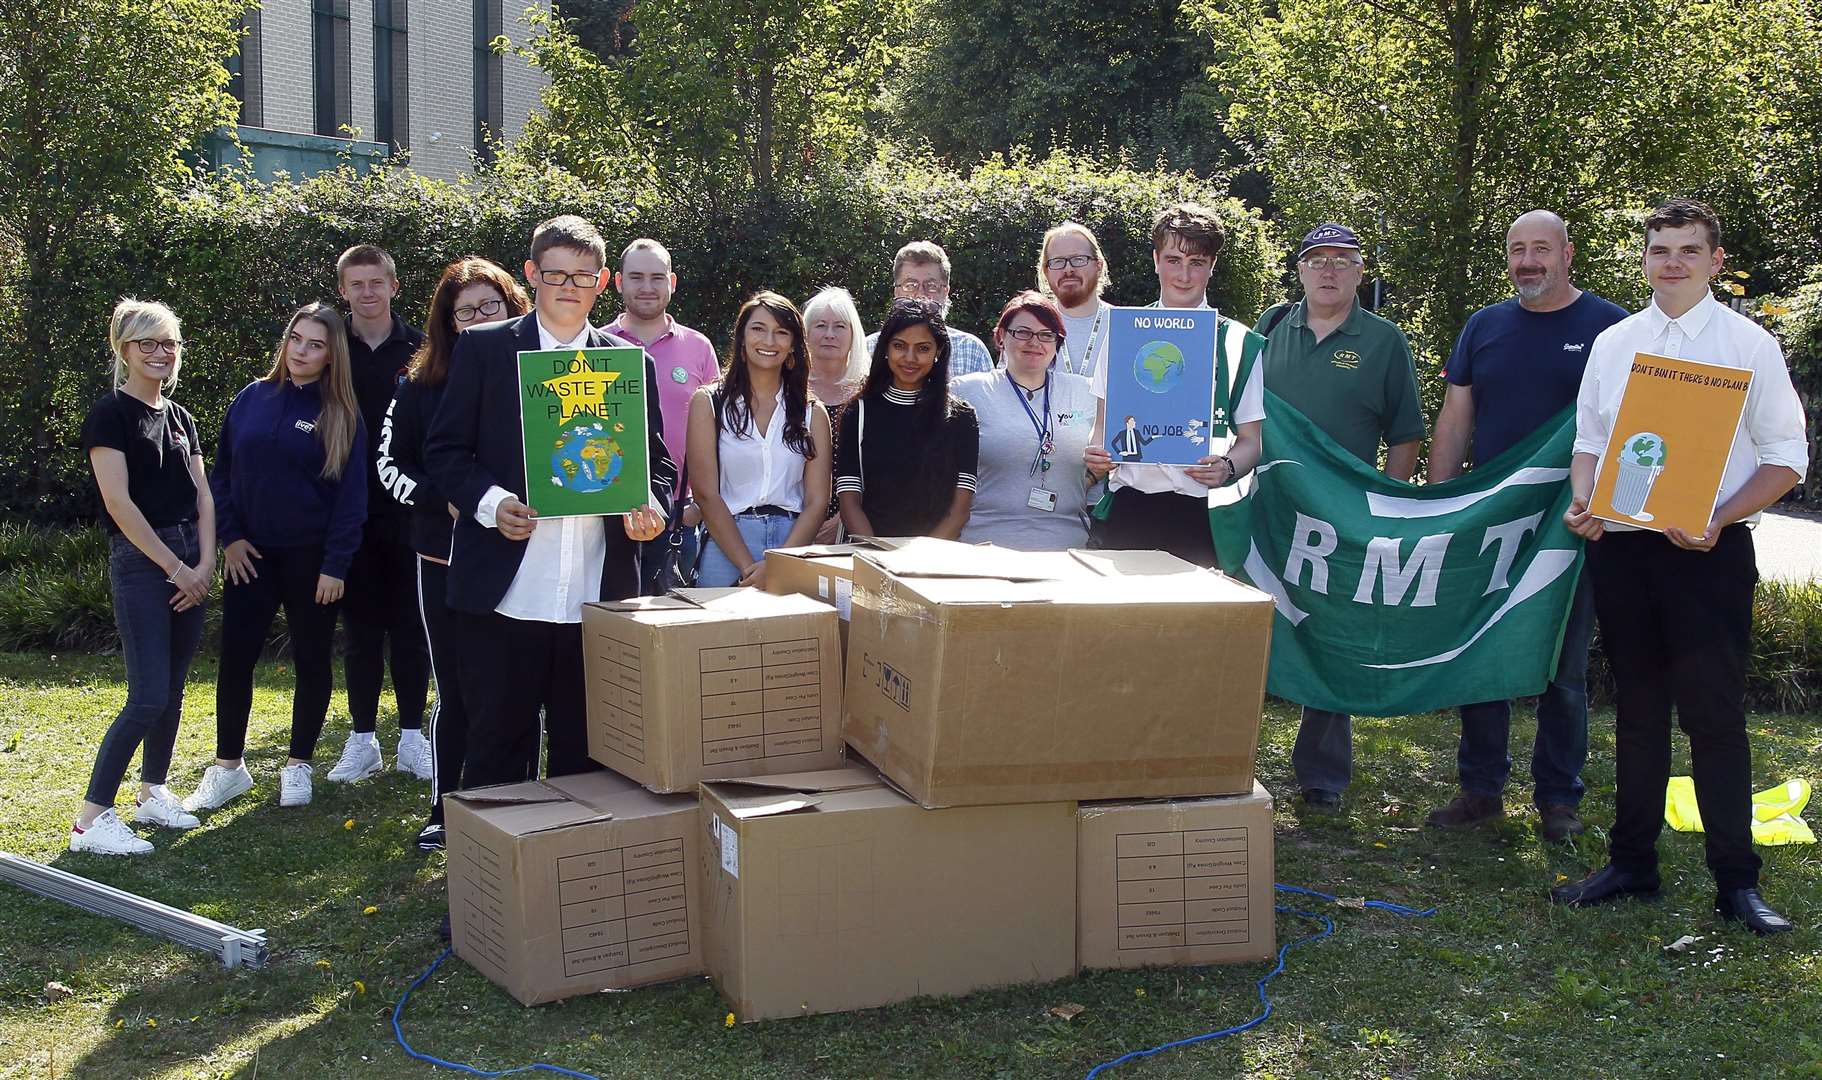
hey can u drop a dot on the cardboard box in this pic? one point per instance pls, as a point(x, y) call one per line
point(710, 683)
point(1175, 883)
point(824, 571)
point(574, 884)
point(981, 675)
point(832, 891)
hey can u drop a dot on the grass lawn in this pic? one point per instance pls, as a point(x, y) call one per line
point(1498, 984)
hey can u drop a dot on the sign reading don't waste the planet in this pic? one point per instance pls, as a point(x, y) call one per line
point(582, 412)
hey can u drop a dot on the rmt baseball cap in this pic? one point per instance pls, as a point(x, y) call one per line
point(1328, 234)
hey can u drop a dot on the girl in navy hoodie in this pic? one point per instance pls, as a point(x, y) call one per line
point(290, 498)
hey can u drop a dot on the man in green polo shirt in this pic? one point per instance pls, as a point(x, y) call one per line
point(1351, 373)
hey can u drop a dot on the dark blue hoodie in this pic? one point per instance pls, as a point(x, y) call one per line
point(268, 476)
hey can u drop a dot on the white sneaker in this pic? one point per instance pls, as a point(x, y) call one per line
point(360, 759)
point(162, 810)
point(414, 754)
point(108, 835)
point(218, 786)
point(294, 785)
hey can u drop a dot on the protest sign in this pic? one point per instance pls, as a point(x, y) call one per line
point(1162, 384)
point(582, 412)
point(1669, 444)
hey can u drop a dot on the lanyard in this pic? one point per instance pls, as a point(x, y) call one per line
point(1046, 444)
point(1094, 335)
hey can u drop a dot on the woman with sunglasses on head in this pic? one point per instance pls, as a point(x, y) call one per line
point(759, 451)
point(160, 519)
point(291, 496)
point(907, 447)
point(1035, 419)
point(471, 292)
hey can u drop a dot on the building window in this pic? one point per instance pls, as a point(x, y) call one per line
point(489, 104)
point(329, 39)
point(391, 81)
point(245, 72)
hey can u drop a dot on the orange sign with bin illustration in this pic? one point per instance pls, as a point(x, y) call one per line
point(1669, 444)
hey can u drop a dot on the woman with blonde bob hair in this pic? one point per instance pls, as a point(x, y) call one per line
point(291, 495)
point(160, 517)
point(837, 344)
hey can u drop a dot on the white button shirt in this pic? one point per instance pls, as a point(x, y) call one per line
point(562, 566)
point(1771, 431)
point(760, 470)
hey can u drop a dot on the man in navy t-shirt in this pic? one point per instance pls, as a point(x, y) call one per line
point(1517, 365)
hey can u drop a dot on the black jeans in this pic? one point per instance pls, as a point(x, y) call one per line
point(380, 609)
point(287, 578)
point(1163, 521)
point(511, 668)
point(449, 719)
point(158, 645)
point(1676, 626)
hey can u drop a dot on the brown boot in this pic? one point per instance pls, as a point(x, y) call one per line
point(1466, 811)
point(1559, 822)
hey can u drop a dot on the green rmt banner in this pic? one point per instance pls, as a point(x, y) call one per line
point(1393, 598)
point(582, 412)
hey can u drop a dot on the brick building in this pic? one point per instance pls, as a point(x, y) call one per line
point(411, 75)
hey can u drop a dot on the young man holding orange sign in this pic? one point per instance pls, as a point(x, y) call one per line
point(1675, 607)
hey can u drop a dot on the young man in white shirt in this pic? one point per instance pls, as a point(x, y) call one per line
point(1073, 271)
point(1675, 609)
point(1165, 507)
point(517, 585)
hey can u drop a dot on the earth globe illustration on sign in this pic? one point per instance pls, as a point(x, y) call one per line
point(587, 459)
point(1158, 366)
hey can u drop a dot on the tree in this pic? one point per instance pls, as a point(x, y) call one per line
point(1431, 124)
point(1123, 75)
point(99, 99)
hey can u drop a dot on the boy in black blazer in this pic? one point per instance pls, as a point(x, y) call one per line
point(517, 586)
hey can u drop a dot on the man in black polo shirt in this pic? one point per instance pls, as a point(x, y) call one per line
point(381, 602)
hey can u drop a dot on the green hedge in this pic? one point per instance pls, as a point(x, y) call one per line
point(234, 261)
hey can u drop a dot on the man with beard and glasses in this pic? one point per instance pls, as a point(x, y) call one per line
point(1517, 365)
point(1073, 272)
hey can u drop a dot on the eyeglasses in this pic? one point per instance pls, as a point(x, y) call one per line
point(1069, 262)
point(1331, 262)
point(581, 279)
point(485, 307)
point(1026, 333)
point(926, 288)
point(148, 346)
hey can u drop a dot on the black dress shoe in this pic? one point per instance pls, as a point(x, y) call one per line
point(1746, 906)
point(1320, 799)
point(1604, 886)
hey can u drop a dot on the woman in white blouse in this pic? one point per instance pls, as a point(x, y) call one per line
point(759, 456)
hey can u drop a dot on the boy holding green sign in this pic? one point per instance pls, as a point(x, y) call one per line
point(547, 426)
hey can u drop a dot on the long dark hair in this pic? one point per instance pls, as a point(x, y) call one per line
point(933, 403)
point(430, 364)
point(736, 413)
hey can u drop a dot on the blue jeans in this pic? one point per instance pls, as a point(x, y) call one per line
point(158, 645)
point(1561, 749)
point(759, 531)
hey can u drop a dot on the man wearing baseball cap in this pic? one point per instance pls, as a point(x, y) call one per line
point(1352, 374)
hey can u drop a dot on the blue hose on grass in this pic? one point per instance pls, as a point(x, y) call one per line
point(1265, 1002)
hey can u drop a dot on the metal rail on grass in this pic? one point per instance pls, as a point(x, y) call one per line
point(237, 948)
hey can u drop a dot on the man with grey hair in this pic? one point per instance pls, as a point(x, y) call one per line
point(1517, 365)
point(920, 271)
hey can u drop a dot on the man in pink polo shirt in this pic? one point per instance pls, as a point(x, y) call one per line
point(683, 360)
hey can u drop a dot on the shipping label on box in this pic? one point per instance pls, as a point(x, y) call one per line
point(979, 675)
point(709, 683)
point(573, 885)
point(1175, 882)
point(832, 891)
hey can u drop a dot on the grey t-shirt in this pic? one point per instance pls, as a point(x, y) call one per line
point(1085, 346)
point(1009, 441)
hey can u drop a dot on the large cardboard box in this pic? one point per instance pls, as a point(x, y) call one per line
point(709, 683)
point(1175, 883)
point(981, 675)
point(831, 891)
point(824, 571)
point(574, 884)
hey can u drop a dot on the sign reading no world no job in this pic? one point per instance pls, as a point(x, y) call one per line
point(1669, 445)
point(1161, 384)
point(582, 414)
